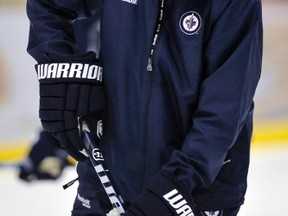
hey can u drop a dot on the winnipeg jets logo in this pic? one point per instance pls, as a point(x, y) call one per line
point(190, 23)
point(212, 213)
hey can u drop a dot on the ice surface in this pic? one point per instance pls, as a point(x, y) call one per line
point(267, 194)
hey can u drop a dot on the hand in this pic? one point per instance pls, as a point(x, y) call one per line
point(46, 160)
point(162, 197)
point(70, 87)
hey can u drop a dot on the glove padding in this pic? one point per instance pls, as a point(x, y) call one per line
point(45, 161)
point(162, 197)
point(70, 87)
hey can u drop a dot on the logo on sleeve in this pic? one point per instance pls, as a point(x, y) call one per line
point(190, 23)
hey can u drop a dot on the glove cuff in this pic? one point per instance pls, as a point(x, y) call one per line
point(176, 198)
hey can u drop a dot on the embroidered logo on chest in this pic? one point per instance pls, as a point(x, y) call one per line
point(190, 23)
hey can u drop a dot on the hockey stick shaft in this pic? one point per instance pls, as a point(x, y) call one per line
point(97, 160)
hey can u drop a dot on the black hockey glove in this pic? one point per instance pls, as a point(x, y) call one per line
point(70, 87)
point(45, 161)
point(162, 197)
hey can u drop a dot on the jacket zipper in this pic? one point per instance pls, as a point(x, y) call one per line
point(156, 34)
point(150, 70)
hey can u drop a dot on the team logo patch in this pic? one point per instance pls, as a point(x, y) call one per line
point(190, 23)
point(212, 213)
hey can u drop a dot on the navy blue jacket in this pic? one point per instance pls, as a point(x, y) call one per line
point(190, 112)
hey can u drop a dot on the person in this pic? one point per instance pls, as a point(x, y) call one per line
point(173, 82)
point(45, 159)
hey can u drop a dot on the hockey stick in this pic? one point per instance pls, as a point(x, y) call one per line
point(97, 160)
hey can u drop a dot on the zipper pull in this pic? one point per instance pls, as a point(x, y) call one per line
point(149, 66)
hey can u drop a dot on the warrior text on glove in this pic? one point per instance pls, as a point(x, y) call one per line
point(69, 70)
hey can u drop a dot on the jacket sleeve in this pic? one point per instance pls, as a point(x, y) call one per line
point(233, 55)
point(51, 25)
point(50, 28)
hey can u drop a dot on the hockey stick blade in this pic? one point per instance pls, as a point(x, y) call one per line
point(97, 160)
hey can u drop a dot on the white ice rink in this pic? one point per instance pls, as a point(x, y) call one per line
point(267, 193)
